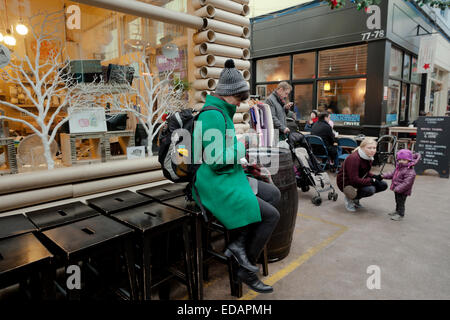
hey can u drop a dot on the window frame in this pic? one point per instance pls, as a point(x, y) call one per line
point(314, 81)
point(408, 82)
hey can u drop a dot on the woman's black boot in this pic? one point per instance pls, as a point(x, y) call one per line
point(237, 250)
point(251, 279)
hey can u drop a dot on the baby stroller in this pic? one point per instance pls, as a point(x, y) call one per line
point(309, 173)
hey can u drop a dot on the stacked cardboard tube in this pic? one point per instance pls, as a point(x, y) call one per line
point(224, 36)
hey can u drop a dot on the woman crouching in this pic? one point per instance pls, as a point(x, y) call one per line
point(355, 172)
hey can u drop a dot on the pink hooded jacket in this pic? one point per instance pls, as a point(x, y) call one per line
point(403, 176)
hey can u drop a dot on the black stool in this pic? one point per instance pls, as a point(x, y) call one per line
point(152, 220)
point(206, 226)
point(118, 201)
point(60, 215)
point(91, 237)
point(14, 225)
point(24, 256)
point(164, 192)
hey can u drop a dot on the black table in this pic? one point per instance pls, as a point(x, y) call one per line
point(14, 225)
point(164, 192)
point(118, 201)
point(24, 256)
point(152, 220)
point(90, 237)
point(60, 215)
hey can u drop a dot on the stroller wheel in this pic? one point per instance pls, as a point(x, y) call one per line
point(305, 188)
point(335, 196)
point(317, 200)
point(330, 195)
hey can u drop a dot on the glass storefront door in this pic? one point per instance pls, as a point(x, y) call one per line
point(303, 97)
point(393, 102)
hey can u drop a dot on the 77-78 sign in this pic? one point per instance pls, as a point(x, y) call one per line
point(373, 23)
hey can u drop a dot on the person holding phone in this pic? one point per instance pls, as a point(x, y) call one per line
point(278, 106)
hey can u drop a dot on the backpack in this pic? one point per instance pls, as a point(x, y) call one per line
point(172, 146)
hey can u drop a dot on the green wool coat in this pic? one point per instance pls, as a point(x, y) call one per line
point(220, 180)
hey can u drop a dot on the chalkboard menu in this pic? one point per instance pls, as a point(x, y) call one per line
point(433, 141)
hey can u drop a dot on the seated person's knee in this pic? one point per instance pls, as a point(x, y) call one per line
point(276, 195)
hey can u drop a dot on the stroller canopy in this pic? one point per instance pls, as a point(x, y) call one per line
point(297, 140)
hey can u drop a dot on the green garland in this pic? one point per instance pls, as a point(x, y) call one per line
point(442, 4)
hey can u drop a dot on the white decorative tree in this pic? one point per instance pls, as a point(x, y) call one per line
point(42, 79)
point(153, 98)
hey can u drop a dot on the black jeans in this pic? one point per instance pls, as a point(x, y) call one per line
point(332, 153)
point(400, 200)
point(368, 191)
point(268, 197)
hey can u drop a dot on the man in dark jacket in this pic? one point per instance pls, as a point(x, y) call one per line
point(322, 129)
point(277, 104)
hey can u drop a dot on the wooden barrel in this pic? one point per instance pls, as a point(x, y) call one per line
point(280, 164)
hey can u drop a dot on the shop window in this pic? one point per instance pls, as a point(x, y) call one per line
point(393, 102)
point(406, 66)
point(345, 99)
point(303, 97)
point(343, 61)
point(304, 66)
point(395, 69)
point(273, 69)
point(414, 102)
point(415, 77)
point(104, 39)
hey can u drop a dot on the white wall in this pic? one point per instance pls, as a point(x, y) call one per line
point(442, 62)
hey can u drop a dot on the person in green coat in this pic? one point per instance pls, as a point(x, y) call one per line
point(241, 203)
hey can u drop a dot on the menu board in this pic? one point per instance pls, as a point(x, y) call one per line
point(433, 141)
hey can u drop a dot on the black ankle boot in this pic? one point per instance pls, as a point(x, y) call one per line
point(251, 279)
point(237, 250)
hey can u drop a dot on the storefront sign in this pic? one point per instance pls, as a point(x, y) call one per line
point(385, 93)
point(427, 52)
point(377, 34)
point(87, 120)
point(373, 22)
point(346, 119)
point(433, 142)
point(5, 56)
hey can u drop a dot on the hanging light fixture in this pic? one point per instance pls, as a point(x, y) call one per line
point(327, 86)
point(21, 29)
point(9, 39)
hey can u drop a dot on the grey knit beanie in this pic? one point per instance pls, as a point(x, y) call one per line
point(231, 81)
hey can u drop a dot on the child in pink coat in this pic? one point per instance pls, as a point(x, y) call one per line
point(402, 180)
